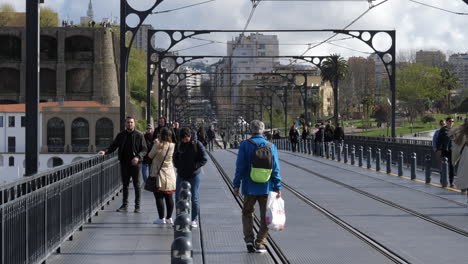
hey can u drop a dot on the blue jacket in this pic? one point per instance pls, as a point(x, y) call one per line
point(243, 166)
point(434, 139)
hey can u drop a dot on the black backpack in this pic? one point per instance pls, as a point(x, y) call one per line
point(262, 163)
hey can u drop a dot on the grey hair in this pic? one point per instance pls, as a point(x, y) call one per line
point(257, 127)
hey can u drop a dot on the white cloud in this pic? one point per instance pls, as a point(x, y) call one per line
point(417, 26)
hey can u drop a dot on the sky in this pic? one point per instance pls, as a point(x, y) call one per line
point(418, 27)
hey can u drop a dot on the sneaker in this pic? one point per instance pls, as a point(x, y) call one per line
point(122, 208)
point(159, 221)
point(261, 249)
point(194, 224)
point(169, 221)
point(250, 247)
point(137, 210)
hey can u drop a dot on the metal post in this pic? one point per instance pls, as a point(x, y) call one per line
point(361, 155)
point(338, 151)
point(413, 165)
point(332, 150)
point(378, 158)
point(149, 85)
point(427, 168)
point(400, 163)
point(271, 114)
point(32, 85)
point(353, 155)
point(393, 82)
point(305, 100)
point(443, 172)
point(389, 161)
point(286, 110)
point(123, 63)
point(369, 157)
point(345, 155)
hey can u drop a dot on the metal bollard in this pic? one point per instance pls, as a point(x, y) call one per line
point(353, 155)
point(185, 185)
point(443, 172)
point(361, 155)
point(369, 157)
point(389, 161)
point(413, 165)
point(400, 163)
point(378, 158)
point(333, 148)
point(427, 168)
point(182, 227)
point(183, 207)
point(346, 150)
point(338, 151)
point(181, 251)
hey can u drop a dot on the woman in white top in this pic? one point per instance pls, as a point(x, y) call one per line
point(163, 169)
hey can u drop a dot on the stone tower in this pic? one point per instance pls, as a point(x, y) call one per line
point(90, 12)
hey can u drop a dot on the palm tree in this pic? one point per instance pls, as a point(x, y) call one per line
point(448, 81)
point(334, 69)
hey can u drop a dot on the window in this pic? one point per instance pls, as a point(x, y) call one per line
point(55, 135)
point(261, 46)
point(104, 133)
point(11, 161)
point(80, 135)
point(11, 121)
point(23, 121)
point(1, 121)
point(11, 144)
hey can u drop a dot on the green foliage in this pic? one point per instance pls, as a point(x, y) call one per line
point(48, 17)
point(141, 125)
point(427, 119)
point(7, 13)
point(418, 86)
point(137, 78)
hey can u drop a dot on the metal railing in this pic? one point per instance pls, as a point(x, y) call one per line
point(421, 148)
point(39, 213)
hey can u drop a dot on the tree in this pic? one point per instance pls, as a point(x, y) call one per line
point(49, 18)
point(7, 14)
point(334, 69)
point(449, 81)
point(418, 86)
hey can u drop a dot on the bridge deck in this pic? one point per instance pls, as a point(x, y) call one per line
point(309, 237)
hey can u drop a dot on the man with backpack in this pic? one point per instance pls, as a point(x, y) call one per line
point(189, 157)
point(257, 169)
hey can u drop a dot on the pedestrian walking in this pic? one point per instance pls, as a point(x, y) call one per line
point(460, 155)
point(175, 133)
point(163, 170)
point(255, 191)
point(190, 156)
point(211, 137)
point(305, 132)
point(444, 146)
point(146, 164)
point(132, 149)
point(162, 122)
point(294, 137)
point(436, 134)
point(202, 136)
point(338, 134)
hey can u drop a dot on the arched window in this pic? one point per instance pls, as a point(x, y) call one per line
point(55, 135)
point(11, 161)
point(54, 162)
point(80, 135)
point(104, 133)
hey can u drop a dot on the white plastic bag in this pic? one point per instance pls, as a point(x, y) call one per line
point(275, 214)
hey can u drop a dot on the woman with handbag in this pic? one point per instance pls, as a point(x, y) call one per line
point(162, 181)
point(460, 154)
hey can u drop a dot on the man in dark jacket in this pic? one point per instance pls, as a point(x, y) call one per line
point(132, 149)
point(211, 137)
point(161, 123)
point(338, 134)
point(294, 137)
point(188, 160)
point(444, 146)
point(146, 164)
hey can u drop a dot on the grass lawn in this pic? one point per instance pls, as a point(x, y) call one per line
point(405, 127)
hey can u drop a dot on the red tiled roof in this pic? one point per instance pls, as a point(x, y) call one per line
point(21, 108)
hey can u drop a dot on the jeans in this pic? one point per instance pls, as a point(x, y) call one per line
point(248, 215)
point(133, 172)
point(210, 144)
point(195, 184)
point(145, 170)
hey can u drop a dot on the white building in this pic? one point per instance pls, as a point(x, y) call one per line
point(460, 63)
point(67, 132)
point(192, 83)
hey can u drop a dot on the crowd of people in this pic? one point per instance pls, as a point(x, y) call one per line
point(450, 142)
point(172, 155)
point(321, 133)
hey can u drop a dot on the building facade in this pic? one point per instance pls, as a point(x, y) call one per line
point(431, 58)
point(459, 62)
point(141, 37)
point(76, 64)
